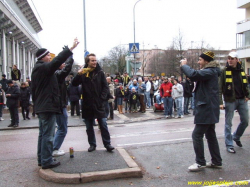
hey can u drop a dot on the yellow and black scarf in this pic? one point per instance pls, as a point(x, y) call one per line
point(15, 71)
point(86, 71)
point(229, 81)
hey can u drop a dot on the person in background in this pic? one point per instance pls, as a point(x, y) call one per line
point(133, 99)
point(4, 83)
point(119, 96)
point(125, 79)
point(147, 92)
point(165, 93)
point(12, 95)
point(110, 101)
point(116, 85)
point(25, 100)
point(126, 98)
point(177, 95)
point(74, 95)
point(16, 75)
point(141, 93)
point(2, 102)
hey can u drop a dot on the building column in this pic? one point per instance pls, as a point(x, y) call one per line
point(13, 51)
point(29, 64)
point(17, 54)
point(24, 65)
point(4, 53)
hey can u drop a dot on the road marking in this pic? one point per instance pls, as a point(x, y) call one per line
point(149, 133)
point(159, 141)
point(230, 183)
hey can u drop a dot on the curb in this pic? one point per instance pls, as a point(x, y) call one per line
point(76, 178)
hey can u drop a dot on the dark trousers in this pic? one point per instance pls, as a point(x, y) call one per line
point(115, 103)
point(27, 110)
point(73, 105)
point(1, 111)
point(143, 107)
point(197, 136)
point(111, 110)
point(14, 115)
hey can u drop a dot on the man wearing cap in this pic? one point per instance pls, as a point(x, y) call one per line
point(235, 91)
point(207, 109)
point(4, 82)
point(12, 95)
point(46, 96)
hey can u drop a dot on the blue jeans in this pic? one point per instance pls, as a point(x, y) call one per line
point(213, 146)
point(242, 108)
point(47, 123)
point(192, 100)
point(186, 103)
point(158, 99)
point(119, 100)
point(178, 103)
point(104, 131)
point(62, 127)
point(147, 99)
point(168, 105)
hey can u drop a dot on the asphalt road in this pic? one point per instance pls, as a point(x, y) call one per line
point(162, 148)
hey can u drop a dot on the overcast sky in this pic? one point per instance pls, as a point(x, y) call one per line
point(110, 23)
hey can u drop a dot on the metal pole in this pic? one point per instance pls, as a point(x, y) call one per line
point(134, 34)
point(84, 25)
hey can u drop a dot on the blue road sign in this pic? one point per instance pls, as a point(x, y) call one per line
point(86, 53)
point(134, 47)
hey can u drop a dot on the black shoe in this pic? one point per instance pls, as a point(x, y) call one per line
point(24, 119)
point(109, 148)
point(10, 125)
point(91, 148)
point(39, 164)
point(53, 164)
point(16, 125)
point(238, 142)
point(28, 118)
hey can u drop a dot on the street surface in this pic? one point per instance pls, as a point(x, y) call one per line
point(161, 147)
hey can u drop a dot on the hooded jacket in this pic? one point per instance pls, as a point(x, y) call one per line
point(45, 89)
point(12, 101)
point(207, 109)
point(94, 91)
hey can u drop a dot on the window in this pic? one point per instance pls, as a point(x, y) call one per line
point(247, 38)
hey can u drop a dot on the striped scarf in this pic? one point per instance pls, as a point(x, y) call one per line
point(87, 71)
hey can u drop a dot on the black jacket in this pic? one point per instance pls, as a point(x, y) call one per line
point(4, 84)
point(45, 89)
point(61, 74)
point(74, 93)
point(119, 93)
point(24, 97)
point(95, 91)
point(14, 77)
point(133, 98)
point(207, 105)
point(12, 101)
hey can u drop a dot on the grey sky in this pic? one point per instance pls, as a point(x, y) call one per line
point(110, 23)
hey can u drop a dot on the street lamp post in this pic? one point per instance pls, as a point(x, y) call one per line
point(134, 35)
point(84, 26)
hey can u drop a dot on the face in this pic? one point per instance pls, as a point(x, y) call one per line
point(232, 61)
point(135, 82)
point(179, 79)
point(92, 62)
point(23, 85)
point(108, 80)
point(165, 79)
point(175, 82)
point(146, 78)
point(47, 58)
point(202, 62)
point(62, 66)
point(14, 67)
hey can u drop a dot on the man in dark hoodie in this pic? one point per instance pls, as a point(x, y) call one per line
point(95, 91)
point(45, 95)
point(207, 109)
point(62, 118)
point(235, 91)
point(12, 95)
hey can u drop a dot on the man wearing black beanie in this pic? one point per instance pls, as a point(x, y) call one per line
point(207, 109)
point(46, 97)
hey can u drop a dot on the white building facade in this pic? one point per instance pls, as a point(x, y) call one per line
point(243, 35)
point(19, 24)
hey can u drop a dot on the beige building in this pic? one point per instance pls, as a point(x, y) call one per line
point(19, 24)
point(243, 35)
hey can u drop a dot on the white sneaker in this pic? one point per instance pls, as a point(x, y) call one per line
point(1, 119)
point(196, 167)
point(182, 116)
point(167, 116)
point(176, 117)
point(211, 165)
point(58, 153)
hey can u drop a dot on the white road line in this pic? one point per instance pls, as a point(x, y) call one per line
point(149, 133)
point(228, 183)
point(160, 141)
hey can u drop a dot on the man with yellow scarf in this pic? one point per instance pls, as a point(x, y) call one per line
point(95, 92)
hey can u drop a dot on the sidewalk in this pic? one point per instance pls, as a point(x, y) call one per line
point(74, 121)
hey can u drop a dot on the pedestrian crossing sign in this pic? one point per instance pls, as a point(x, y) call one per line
point(134, 47)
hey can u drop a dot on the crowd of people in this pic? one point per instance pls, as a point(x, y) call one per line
point(204, 91)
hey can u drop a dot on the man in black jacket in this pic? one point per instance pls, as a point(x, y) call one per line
point(45, 95)
point(12, 95)
point(62, 118)
point(4, 83)
point(95, 91)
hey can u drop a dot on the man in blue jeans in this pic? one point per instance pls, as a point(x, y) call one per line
point(95, 93)
point(62, 118)
point(45, 95)
point(235, 91)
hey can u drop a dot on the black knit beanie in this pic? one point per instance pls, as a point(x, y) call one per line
point(41, 53)
point(207, 56)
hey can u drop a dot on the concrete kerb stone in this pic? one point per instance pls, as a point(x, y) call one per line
point(132, 171)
